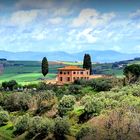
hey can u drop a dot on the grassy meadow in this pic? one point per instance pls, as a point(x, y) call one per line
point(30, 71)
point(26, 71)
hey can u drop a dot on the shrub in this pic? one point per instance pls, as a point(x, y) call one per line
point(92, 104)
point(4, 85)
point(130, 101)
point(4, 117)
point(66, 104)
point(17, 101)
point(1, 99)
point(110, 103)
point(123, 123)
point(61, 128)
point(74, 89)
point(44, 101)
point(41, 126)
point(80, 82)
point(42, 86)
point(47, 95)
point(9, 85)
point(31, 86)
point(63, 90)
point(85, 99)
point(1, 109)
point(100, 84)
point(22, 124)
point(85, 132)
point(24, 99)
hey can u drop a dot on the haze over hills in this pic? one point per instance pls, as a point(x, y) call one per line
point(97, 56)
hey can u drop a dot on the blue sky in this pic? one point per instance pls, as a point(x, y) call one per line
point(70, 25)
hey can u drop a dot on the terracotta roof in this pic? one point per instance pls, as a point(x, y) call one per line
point(71, 68)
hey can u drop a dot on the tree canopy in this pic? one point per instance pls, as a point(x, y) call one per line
point(132, 72)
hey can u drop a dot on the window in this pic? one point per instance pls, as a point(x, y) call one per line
point(68, 72)
point(74, 72)
point(68, 79)
point(81, 72)
point(61, 78)
point(64, 72)
point(60, 72)
point(73, 78)
point(77, 72)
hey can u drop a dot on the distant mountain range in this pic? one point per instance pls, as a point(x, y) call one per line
point(97, 56)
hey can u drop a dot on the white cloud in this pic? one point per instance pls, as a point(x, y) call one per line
point(56, 20)
point(62, 11)
point(135, 14)
point(116, 48)
point(40, 34)
point(138, 26)
point(137, 48)
point(42, 26)
point(23, 17)
point(92, 17)
point(84, 16)
point(86, 34)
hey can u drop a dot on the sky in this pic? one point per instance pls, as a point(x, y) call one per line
point(70, 25)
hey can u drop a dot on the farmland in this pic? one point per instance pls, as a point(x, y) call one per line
point(27, 71)
point(30, 71)
point(80, 110)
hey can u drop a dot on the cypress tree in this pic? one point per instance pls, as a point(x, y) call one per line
point(85, 61)
point(45, 68)
point(87, 64)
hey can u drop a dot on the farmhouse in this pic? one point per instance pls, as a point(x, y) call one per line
point(69, 74)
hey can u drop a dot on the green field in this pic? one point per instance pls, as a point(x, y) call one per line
point(26, 71)
point(25, 78)
point(72, 63)
point(30, 71)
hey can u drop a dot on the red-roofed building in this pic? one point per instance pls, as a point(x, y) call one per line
point(69, 74)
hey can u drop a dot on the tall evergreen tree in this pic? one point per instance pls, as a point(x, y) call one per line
point(87, 64)
point(45, 67)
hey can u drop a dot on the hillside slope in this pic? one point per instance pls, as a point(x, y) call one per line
point(97, 56)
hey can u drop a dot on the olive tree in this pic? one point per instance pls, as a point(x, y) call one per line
point(4, 117)
point(66, 104)
point(85, 133)
point(40, 126)
point(22, 124)
point(61, 128)
point(132, 72)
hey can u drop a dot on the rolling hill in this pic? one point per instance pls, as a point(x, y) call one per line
point(97, 56)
